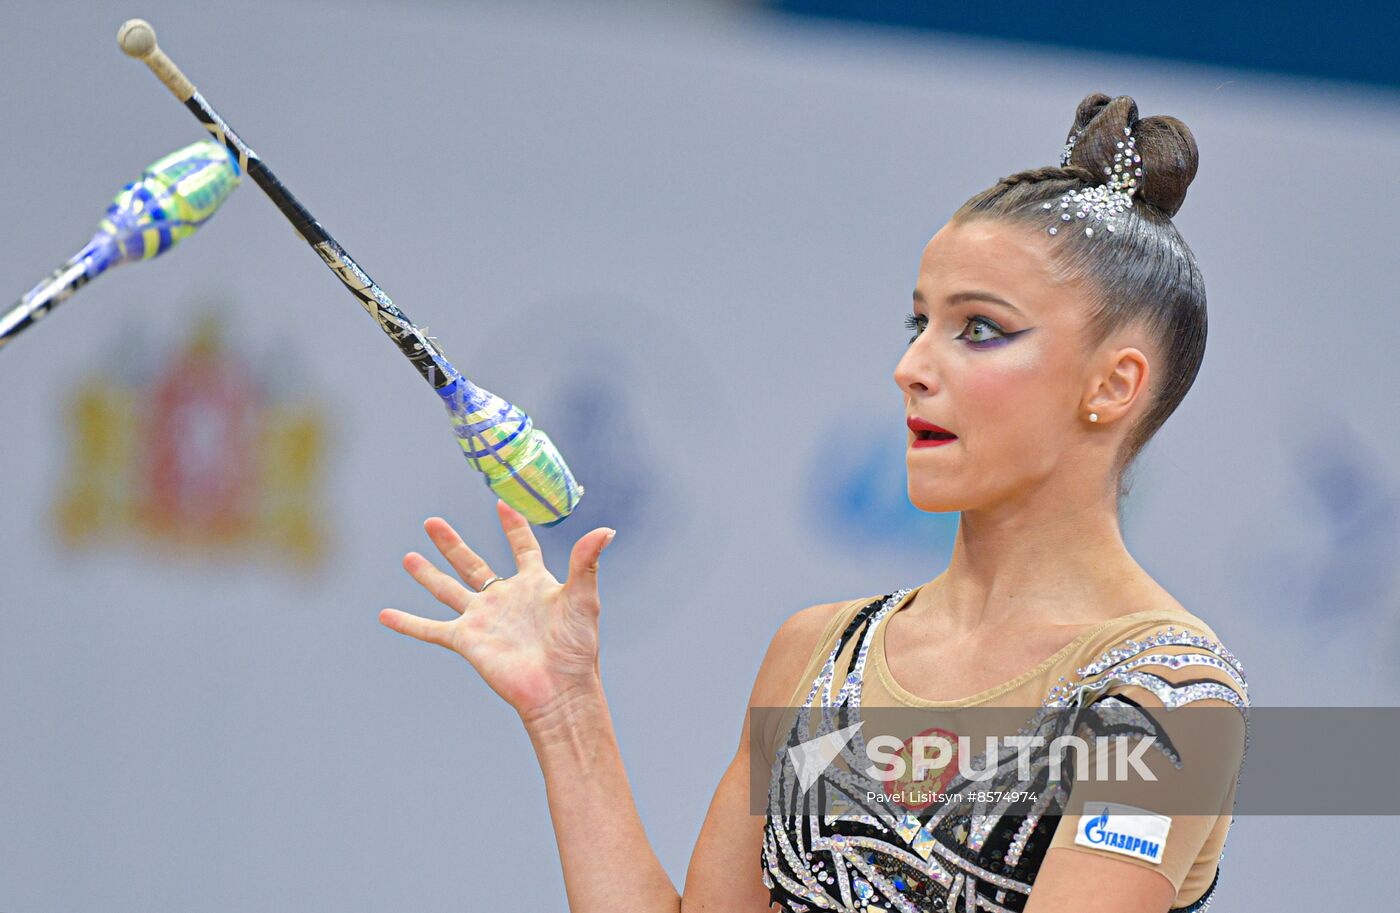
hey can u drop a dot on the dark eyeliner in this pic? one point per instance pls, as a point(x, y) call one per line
point(916, 323)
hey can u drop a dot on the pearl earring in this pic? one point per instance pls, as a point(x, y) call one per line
point(1093, 416)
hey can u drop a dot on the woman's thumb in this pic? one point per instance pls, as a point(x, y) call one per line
point(583, 563)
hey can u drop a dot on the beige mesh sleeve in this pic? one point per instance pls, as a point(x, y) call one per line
point(1194, 694)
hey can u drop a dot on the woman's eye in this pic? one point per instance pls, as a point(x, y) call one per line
point(915, 323)
point(976, 324)
point(978, 331)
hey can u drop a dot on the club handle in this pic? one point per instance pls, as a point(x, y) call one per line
point(56, 288)
point(138, 39)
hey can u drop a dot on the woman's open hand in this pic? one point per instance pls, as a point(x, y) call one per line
point(533, 639)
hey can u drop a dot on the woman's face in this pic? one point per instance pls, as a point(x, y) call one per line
point(997, 360)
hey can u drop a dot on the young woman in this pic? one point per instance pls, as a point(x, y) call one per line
point(1059, 319)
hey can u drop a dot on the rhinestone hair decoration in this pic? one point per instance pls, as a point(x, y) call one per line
point(1069, 147)
point(1099, 206)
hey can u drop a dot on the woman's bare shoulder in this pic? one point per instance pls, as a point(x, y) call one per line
point(782, 675)
point(794, 644)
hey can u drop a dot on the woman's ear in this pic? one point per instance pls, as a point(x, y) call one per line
point(1122, 383)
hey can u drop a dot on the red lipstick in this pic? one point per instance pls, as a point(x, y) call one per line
point(927, 434)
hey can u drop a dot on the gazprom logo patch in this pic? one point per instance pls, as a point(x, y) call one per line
point(1124, 829)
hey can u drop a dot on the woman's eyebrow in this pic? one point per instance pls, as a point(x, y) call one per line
point(972, 295)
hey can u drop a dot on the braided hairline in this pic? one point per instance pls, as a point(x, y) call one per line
point(1020, 190)
point(1050, 173)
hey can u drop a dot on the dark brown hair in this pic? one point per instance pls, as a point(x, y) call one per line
point(1141, 272)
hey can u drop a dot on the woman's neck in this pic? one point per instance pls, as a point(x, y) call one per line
point(1056, 568)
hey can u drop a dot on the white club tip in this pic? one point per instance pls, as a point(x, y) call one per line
point(137, 38)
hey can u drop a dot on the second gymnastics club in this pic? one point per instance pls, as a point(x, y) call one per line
point(169, 201)
point(519, 461)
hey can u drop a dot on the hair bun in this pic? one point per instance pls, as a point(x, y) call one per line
point(1168, 150)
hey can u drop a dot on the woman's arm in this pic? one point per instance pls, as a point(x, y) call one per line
point(534, 641)
point(1209, 737)
point(1077, 882)
point(608, 862)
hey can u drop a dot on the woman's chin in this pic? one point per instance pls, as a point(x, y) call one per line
point(940, 502)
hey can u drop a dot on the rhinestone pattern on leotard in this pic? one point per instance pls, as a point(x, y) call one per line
point(951, 858)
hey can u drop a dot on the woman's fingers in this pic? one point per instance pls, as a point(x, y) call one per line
point(583, 561)
point(445, 589)
point(522, 539)
point(470, 566)
point(424, 629)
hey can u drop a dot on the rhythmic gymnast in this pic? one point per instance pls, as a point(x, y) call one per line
point(1059, 318)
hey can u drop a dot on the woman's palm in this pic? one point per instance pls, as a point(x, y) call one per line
point(532, 638)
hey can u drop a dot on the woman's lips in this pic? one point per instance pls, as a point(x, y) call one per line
point(927, 434)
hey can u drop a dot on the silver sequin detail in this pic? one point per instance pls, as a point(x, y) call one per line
point(1023, 833)
point(1063, 692)
point(1176, 661)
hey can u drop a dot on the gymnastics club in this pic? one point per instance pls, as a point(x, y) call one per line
point(169, 202)
point(519, 461)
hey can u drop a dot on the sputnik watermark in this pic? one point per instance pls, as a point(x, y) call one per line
point(887, 750)
point(887, 756)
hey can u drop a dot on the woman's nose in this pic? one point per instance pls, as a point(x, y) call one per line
point(913, 373)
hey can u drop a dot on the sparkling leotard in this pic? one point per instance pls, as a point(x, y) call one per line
point(952, 857)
